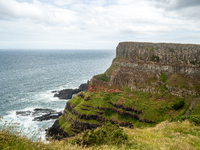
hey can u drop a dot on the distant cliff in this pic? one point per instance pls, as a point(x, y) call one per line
point(146, 83)
point(137, 64)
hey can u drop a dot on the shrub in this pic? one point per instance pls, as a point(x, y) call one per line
point(171, 50)
point(192, 118)
point(102, 77)
point(154, 58)
point(194, 61)
point(87, 97)
point(152, 49)
point(108, 113)
point(178, 105)
point(197, 88)
point(163, 77)
point(108, 134)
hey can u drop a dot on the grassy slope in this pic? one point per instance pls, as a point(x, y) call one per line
point(155, 107)
point(166, 135)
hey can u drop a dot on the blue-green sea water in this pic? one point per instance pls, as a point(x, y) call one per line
point(27, 78)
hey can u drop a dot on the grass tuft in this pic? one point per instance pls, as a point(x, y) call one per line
point(102, 77)
point(163, 77)
point(108, 134)
point(154, 58)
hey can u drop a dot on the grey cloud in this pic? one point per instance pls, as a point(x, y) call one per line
point(187, 3)
point(5, 12)
point(188, 9)
point(177, 4)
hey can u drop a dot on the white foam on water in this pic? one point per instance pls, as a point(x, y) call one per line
point(34, 129)
point(44, 96)
point(26, 125)
point(35, 100)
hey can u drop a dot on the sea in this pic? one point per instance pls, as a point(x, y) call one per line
point(28, 77)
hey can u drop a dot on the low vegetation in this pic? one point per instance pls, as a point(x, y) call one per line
point(141, 109)
point(107, 135)
point(171, 50)
point(192, 118)
point(165, 135)
point(155, 58)
point(163, 77)
point(102, 77)
point(196, 110)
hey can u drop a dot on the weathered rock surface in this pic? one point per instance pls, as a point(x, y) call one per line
point(169, 54)
point(135, 63)
point(48, 116)
point(40, 114)
point(68, 93)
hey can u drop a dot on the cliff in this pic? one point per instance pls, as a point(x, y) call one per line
point(147, 83)
point(137, 64)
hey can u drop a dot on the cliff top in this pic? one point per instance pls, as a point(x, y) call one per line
point(160, 53)
point(130, 42)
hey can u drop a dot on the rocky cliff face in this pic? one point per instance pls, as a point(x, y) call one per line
point(147, 83)
point(137, 65)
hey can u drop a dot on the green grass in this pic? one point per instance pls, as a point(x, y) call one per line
point(196, 110)
point(155, 58)
point(112, 68)
point(179, 81)
point(192, 118)
point(163, 77)
point(152, 49)
point(165, 135)
point(157, 47)
point(69, 116)
point(171, 50)
point(65, 125)
point(12, 138)
point(102, 77)
point(155, 107)
point(108, 134)
point(197, 88)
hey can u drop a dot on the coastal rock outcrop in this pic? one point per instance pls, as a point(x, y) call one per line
point(40, 114)
point(146, 83)
point(68, 93)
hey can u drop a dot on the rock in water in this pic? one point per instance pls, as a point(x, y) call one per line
point(40, 114)
point(68, 93)
point(48, 116)
point(23, 113)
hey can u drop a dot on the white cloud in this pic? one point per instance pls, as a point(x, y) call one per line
point(65, 22)
point(63, 2)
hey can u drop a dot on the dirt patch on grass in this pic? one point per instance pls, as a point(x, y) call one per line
point(120, 102)
point(130, 94)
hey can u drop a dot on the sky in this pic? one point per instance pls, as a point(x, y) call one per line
point(96, 24)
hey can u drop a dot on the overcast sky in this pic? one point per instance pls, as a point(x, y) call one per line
point(96, 24)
